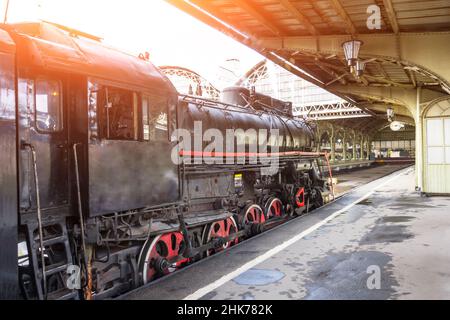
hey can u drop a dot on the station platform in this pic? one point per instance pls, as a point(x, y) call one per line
point(346, 180)
point(346, 166)
point(339, 166)
point(380, 240)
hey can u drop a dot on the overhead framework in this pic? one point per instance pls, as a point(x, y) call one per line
point(405, 51)
point(189, 82)
point(339, 110)
point(305, 37)
point(325, 106)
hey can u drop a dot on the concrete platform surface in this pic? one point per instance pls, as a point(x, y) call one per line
point(347, 180)
point(382, 240)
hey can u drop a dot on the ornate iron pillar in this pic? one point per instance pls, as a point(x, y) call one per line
point(344, 146)
point(332, 144)
point(318, 140)
point(368, 142)
point(361, 149)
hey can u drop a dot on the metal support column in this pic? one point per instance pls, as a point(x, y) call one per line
point(368, 147)
point(344, 147)
point(361, 149)
point(419, 142)
point(333, 147)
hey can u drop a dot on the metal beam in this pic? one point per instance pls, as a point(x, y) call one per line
point(339, 78)
point(329, 111)
point(382, 71)
point(415, 48)
point(363, 79)
point(333, 74)
point(391, 15)
point(299, 16)
point(390, 82)
point(210, 16)
point(402, 99)
point(255, 13)
point(411, 76)
point(182, 78)
point(343, 14)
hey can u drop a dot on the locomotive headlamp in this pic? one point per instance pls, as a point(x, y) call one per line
point(351, 51)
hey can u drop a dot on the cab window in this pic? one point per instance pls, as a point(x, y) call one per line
point(118, 114)
point(154, 118)
point(48, 105)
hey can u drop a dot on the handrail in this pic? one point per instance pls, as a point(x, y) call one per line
point(39, 213)
point(80, 211)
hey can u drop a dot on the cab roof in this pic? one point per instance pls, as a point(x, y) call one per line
point(56, 47)
point(7, 45)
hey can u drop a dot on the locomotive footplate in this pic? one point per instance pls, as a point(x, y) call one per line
point(165, 226)
point(197, 219)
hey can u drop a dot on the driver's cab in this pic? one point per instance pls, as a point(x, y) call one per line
point(129, 147)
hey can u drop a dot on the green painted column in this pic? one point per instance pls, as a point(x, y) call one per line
point(344, 148)
point(361, 149)
point(368, 147)
point(333, 147)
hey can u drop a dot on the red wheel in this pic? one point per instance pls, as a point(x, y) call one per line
point(222, 229)
point(157, 252)
point(274, 208)
point(253, 214)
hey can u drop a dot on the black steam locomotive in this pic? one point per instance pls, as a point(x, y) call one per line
point(92, 203)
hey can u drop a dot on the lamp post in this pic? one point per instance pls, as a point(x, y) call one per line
point(351, 51)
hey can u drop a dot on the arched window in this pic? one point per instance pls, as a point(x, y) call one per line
point(438, 133)
point(436, 145)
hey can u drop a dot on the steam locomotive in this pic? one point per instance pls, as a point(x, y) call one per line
point(92, 204)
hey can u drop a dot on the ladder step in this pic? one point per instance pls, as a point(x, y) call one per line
point(52, 269)
point(55, 240)
point(63, 294)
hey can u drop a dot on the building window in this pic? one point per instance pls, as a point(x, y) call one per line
point(438, 141)
point(48, 103)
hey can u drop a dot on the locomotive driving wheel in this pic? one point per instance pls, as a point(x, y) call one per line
point(220, 229)
point(157, 252)
point(273, 208)
point(253, 214)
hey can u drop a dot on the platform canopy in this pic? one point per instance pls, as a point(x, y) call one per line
point(406, 48)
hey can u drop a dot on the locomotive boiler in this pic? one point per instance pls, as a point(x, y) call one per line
point(92, 203)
